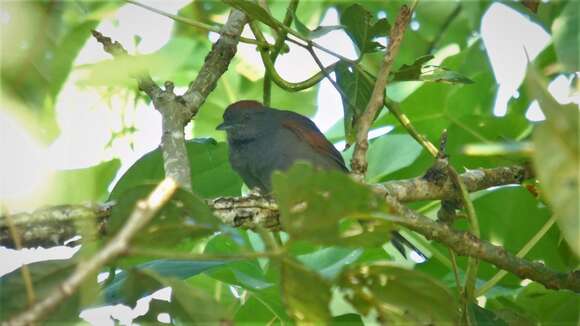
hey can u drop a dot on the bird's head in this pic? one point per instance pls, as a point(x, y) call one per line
point(246, 120)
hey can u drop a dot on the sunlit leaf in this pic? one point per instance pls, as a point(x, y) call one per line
point(390, 153)
point(565, 35)
point(253, 10)
point(557, 157)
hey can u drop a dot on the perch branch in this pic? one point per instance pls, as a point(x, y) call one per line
point(54, 225)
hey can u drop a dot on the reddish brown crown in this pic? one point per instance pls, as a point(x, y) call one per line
point(246, 104)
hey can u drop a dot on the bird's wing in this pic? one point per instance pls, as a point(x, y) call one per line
point(307, 131)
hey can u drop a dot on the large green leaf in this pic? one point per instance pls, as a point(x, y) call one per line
point(188, 304)
point(247, 274)
point(183, 218)
point(510, 217)
point(211, 173)
point(390, 153)
point(305, 307)
point(356, 89)
point(46, 277)
point(566, 36)
point(398, 295)
point(168, 268)
point(254, 11)
point(557, 157)
point(313, 203)
point(79, 186)
point(362, 28)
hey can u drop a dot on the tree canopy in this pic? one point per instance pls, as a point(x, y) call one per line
point(458, 120)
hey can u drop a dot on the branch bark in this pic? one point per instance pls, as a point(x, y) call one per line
point(359, 163)
point(54, 225)
point(176, 111)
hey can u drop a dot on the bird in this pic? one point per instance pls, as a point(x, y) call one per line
point(262, 140)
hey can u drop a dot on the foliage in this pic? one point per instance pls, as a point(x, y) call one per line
point(334, 264)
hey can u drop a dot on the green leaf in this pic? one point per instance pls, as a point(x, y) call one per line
point(398, 295)
point(79, 186)
point(356, 89)
point(315, 33)
point(211, 173)
point(510, 217)
point(557, 157)
point(419, 71)
point(305, 307)
point(361, 28)
point(46, 277)
point(548, 306)
point(246, 273)
point(329, 261)
point(390, 153)
point(484, 316)
point(254, 11)
point(188, 304)
point(183, 218)
point(347, 319)
point(169, 268)
point(313, 203)
point(565, 35)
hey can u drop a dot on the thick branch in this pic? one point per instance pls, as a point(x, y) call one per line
point(144, 211)
point(54, 225)
point(216, 63)
point(466, 244)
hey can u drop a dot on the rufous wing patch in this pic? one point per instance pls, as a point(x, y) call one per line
point(315, 138)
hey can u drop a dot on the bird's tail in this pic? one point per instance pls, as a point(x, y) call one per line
point(401, 242)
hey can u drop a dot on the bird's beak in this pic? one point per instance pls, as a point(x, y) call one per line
point(223, 126)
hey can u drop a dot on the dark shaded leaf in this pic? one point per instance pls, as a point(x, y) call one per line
point(482, 316)
point(347, 319)
point(398, 295)
point(169, 268)
point(46, 277)
point(188, 304)
point(419, 71)
point(356, 88)
point(361, 28)
point(306, 294)
point(184, 217)
point(313, 203)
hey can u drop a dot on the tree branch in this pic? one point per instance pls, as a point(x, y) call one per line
point(52, 226)
point(144, 211)
point(359, 163)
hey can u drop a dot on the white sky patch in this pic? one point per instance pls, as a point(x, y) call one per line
point(508, 37)
point(534, 112)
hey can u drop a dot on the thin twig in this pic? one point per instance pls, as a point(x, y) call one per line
point(24, 271)
point(359, 163)
point(144, 211)
point(216, 28)
point(275, 51)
